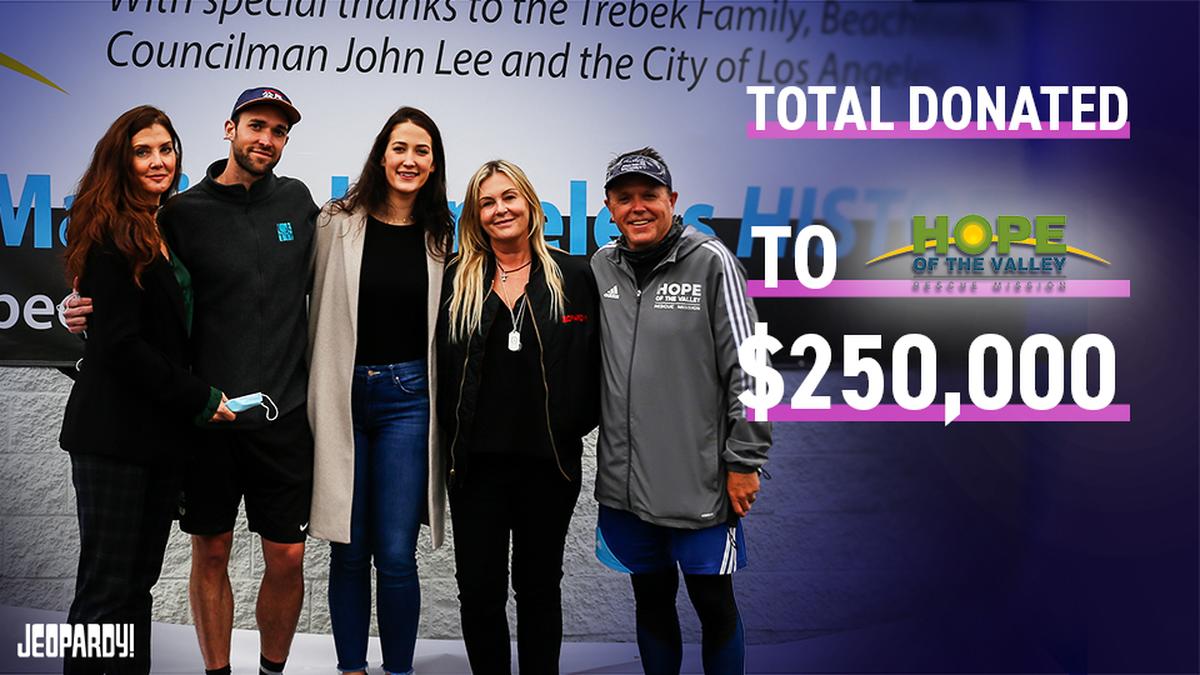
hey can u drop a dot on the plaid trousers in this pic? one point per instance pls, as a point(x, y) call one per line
point(125, 512)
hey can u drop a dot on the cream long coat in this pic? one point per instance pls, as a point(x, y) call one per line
point(332, 332)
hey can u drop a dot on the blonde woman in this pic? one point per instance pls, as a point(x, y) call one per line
point(519, 360)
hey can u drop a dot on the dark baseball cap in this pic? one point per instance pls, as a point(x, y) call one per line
point(267, 95)
point(642, 165)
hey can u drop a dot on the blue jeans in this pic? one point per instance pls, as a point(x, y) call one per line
point(390, 406)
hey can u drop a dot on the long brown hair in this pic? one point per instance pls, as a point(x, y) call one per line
point(431, 211)
point(110, 205)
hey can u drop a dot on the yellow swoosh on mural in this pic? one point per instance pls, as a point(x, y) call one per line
point(9, 62)
point(1028, 242)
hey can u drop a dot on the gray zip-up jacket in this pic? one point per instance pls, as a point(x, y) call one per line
point(671, 422)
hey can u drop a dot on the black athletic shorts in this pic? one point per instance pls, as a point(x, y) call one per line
point(271, 466)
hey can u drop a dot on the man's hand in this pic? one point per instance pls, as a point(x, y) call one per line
point(77, 310)
point(743, 490)
point(223, 414)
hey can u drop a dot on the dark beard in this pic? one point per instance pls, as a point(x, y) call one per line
point(243, 160)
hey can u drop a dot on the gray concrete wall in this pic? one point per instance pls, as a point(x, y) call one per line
point(821, 558)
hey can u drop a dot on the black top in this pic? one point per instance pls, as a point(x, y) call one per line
point(644, 261)
point(510, 411)
point(643, 266)
point(392, 295)
point(249, 253)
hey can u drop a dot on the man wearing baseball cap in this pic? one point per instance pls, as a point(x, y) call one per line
point(677, 460)
point(244, 234)
point(269, 96)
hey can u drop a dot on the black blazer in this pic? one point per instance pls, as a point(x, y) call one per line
point(135, 397)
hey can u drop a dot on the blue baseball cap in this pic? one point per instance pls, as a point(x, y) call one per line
point(270, 96)
point(641, 165)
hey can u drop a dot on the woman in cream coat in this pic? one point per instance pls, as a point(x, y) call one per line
point(378, 473)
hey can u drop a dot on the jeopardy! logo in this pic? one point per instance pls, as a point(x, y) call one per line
point(1017, 254)
point(79, 640)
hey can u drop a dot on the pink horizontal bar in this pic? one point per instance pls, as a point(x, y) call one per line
point(938, 131)
point(1118, 412)
point(903, 288)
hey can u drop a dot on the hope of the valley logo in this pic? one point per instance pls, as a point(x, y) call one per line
point(1018, 255)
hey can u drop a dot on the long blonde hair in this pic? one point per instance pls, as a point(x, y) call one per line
point(474, 248)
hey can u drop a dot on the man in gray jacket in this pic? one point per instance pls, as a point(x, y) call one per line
point(677, 459)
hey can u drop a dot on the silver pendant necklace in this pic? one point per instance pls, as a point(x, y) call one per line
point(514, 336)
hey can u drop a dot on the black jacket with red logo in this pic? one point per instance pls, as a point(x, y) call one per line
point(569, 351)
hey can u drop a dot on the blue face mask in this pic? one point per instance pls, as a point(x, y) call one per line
point(249, 401)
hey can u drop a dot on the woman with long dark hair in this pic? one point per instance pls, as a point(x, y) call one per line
point(520, 358)
point(380, 251)
point(128, 417)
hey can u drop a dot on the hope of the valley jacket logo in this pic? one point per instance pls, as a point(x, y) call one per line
point(686, 296)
